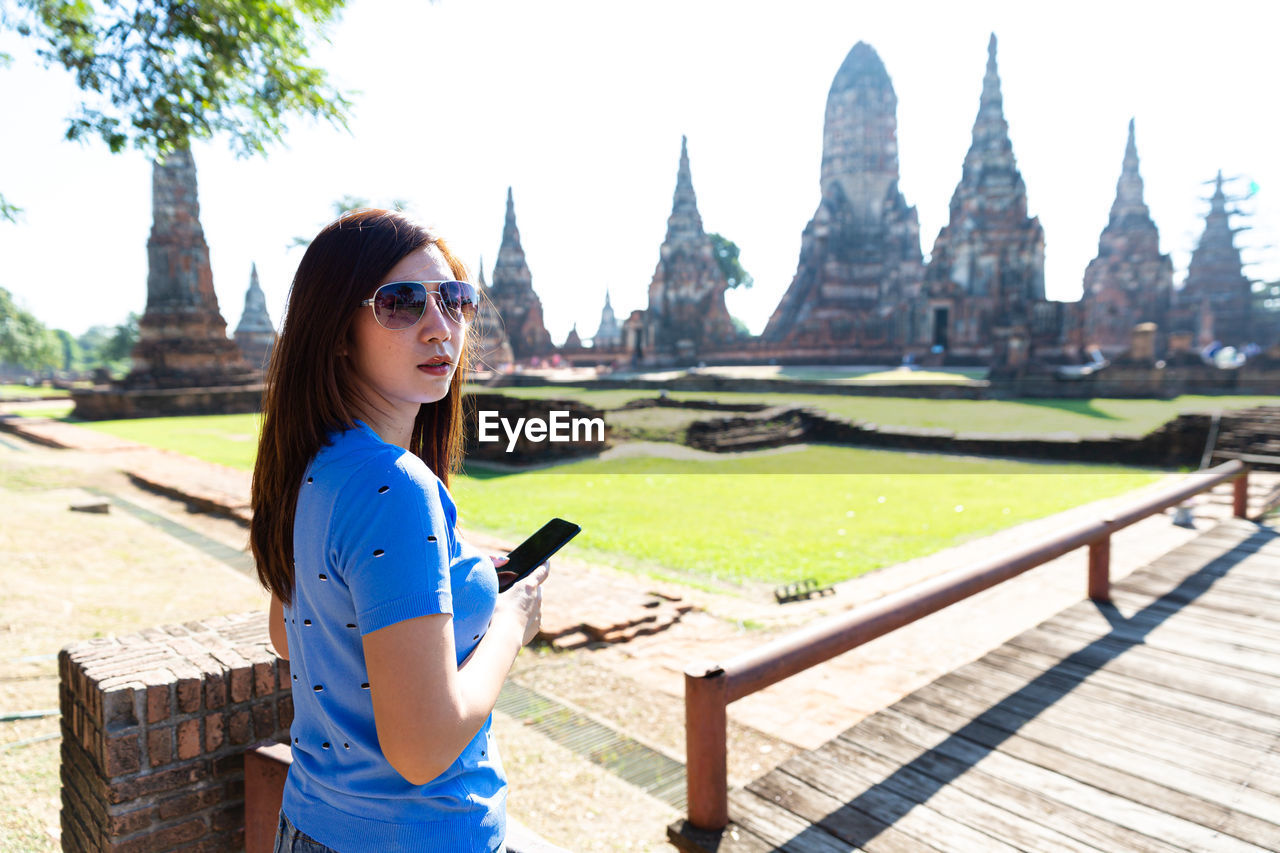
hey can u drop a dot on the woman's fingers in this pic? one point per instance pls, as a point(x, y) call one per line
point(498, 562)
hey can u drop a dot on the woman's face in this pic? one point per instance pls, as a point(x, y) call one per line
point(395, 366)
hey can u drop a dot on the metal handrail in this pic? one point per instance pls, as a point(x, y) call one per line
point(709, 688)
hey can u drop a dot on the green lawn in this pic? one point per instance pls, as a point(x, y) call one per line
point(754, 520)
point(1008, 417)
point(15, 391)
point(225, 439)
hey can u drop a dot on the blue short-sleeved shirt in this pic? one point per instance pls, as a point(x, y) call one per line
point(374, 544)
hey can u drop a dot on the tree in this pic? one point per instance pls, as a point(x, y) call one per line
point(24, 341)
point(158, 74)
point(122, 340)
point(727, 257)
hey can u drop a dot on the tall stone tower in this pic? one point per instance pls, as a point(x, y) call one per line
point(686, 313)
point(254, 334)
point(608, 335)
point(512, 294)
point(990, 251)
point(488, 342)
point(1216, 289)
point(1129, 282)
point(182, 341)
point(860, 253)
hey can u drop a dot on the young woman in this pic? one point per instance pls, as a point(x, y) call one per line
point(397, 637)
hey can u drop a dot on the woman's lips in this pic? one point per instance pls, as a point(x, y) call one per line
point(441, 369)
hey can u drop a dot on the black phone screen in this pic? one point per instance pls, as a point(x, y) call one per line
point(538, 548)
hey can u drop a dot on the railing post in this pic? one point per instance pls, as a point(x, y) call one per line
point(1240, 495)
point(1100, 568)
point(706, 748)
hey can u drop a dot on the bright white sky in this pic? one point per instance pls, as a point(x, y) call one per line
point(580, 106)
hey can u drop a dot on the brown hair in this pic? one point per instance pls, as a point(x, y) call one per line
point(310, 388)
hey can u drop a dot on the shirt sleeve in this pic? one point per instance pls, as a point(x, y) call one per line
point(390, 543)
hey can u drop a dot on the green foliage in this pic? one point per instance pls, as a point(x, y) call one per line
point(9, 212)
point(108, 346)
point(158, 74)
point(24, 340)
point(69, 349)
point(727, 257)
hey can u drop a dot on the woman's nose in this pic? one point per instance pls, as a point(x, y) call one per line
point(435, 325)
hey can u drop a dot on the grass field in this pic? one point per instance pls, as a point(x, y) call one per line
point(24, 391)
point(1007, 417)
point(749, 519)
point(752, 518)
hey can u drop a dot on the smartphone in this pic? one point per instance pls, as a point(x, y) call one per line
point(537, 549)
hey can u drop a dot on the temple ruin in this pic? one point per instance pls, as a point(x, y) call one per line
point(182, 339)
point(860, 253)
point(686, 315)
point(489, 347)
point(513, 297)
point(254, 333)
point(1216, 300)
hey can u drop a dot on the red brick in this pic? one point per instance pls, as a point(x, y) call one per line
point(189, 694)
point(161, 839)
point(242, 684)
point(283, 675)
point(158, 702)
point(264, 720)
point(160, 746)
point(188, 738)
point(264, 678)
point(213, 731)
point(284, 711)
point(189, 803)
point(215, 690)
point(117, 708)
point(158, 782)
point(127, 823)
point(228, 818)
point(122, 756)
point(230, 764)
point(241, 727)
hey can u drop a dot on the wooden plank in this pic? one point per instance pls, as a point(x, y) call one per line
point(1219, 683)
point(1084, 684)
point(858, 828)
point(1009, 794)
point(1088, 708)
point(976, 810)
point(1089, 639)
point(1097, 626)
point(1205, 701)
point(1116, 810)
point(779, 827)
point(862, 792)
point(1226, 762)
point(1224, 595)
point(1263, 632)
point(1170, 787)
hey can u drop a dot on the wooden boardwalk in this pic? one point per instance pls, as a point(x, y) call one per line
point(1150, 724)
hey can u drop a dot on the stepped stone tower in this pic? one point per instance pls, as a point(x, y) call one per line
point(990, 251)
point(488, 342)
point(609, 334)
point(512, 294)
point(182, 340)
point(573, 340)
point(1130, 281)
point(254, 334)
point(860, 253)
point(687, 313)
point(1216, 291)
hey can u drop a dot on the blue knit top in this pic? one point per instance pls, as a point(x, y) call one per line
point(374, 543)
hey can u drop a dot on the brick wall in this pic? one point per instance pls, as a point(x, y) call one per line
point(154, 729)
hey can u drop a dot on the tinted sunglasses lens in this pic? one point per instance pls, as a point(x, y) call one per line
point(459, 299)
point(400, 304)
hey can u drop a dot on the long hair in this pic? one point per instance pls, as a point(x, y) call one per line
point(310, 389)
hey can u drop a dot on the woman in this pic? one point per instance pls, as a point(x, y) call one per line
point(397, 638)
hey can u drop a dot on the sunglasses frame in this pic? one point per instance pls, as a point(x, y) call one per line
point(458, 318)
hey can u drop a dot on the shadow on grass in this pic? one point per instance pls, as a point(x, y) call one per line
point(1075, 407)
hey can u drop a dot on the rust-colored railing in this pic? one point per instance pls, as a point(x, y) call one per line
point(708, 689)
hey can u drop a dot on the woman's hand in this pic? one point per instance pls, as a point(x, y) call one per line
point(523, 601)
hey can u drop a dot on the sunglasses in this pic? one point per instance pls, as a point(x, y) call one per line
point(400, 304)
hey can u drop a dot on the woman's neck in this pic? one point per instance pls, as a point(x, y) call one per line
point(391, 425)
